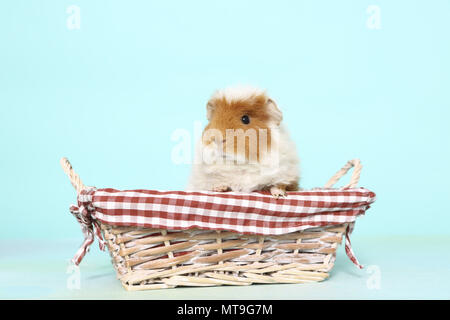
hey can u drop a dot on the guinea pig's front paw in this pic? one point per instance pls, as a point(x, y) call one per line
point(220, 188)
point(278, 192)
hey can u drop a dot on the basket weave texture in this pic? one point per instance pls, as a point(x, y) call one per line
point(147, 258)
point(153, 258)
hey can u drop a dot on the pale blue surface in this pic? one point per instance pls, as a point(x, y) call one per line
point(406, 268)
point(109, 95)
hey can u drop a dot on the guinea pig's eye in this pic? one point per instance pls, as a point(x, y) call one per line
point(245, 119)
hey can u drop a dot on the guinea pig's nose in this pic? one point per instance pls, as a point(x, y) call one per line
point(218, 140)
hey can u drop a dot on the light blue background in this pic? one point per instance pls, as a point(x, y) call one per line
point(109, 95)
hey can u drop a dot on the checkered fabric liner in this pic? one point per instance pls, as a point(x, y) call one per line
point(257, 213)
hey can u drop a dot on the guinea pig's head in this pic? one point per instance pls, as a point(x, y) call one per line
point(242, 124)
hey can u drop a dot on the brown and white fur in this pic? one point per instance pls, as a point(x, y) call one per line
point(221, 166)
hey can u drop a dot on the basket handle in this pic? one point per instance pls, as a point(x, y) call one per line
point(356, 164)
point(89, 225)
point(73, 176)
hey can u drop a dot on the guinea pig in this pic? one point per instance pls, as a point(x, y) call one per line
point(244, 147)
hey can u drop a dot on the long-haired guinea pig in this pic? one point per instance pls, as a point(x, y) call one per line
point(244, 147)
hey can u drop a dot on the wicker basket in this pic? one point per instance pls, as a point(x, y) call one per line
point(155, 258)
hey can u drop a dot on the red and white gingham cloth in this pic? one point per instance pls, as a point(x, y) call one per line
point(247, 213)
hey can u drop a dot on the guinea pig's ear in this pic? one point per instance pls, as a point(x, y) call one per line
point(209, 110)
point(274, 112)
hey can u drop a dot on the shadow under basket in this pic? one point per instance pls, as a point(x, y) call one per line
point(157, 258)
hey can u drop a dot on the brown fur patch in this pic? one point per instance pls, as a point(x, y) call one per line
point(227, 114)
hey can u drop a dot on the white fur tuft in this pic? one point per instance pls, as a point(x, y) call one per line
point(237, 93)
